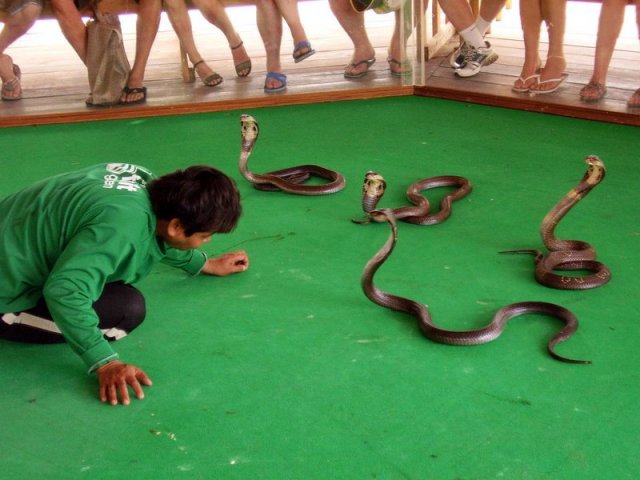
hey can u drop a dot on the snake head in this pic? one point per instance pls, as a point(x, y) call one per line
point(596, 171)
point(372, 190)
point(248, 128)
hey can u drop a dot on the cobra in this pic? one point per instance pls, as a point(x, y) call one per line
point(418, 213)
point(567, 255)
point(290, 180)
point(469, 337)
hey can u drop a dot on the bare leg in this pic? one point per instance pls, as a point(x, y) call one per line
point(270, 28)
point(634, 100)
point(72, 26)
point(146, 30)
point(353, 24)
point(290, 13)
point(215, 13)
point(489, 10)
point(459, 13)
point(554, 15)
point(16, 25)
point(181, 23)
point(531, 20)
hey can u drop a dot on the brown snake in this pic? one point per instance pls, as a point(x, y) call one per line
point(469, 337)
point(568, 255)
point(419, 213)
point(288, 180)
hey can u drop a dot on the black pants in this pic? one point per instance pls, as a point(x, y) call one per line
point(120, 309)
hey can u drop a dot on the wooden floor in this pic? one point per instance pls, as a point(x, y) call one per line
point(55, 83)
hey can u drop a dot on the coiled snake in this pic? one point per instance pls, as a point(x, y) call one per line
point(374, 187)
point(289, 180)
point(470, 337)
point(569, 254)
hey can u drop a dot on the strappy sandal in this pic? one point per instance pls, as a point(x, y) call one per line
point(242, 66)
point(212, 80)
point(298, 55)
point(593, 91)
point(280, 77)
point(12, 85)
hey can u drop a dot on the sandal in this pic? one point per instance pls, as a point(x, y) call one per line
point(555, 84)
point(212, 80)
point(299, 55)
point(280, 77)
point(243, 69)
point(352, 66)
point(592, 91)
point(634, 100)
point(524, 81)
point(129, 90)
point(10, 86)
point(402, 70)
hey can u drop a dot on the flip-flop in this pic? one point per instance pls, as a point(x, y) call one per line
point(368, 62)
point(524, 81)
point(12, 85)
point(281, 77)
point(560, 80)
point(593, 91)
point(128, 90)
point(297, 56)
point(402, 65)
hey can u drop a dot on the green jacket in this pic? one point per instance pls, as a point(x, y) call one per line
point(65, 237)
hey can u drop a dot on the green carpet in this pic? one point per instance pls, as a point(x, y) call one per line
point(288, 371)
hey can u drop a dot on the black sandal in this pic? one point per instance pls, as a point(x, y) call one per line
point(128, 90)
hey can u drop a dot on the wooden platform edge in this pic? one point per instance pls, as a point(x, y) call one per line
point(526, 104)
point(145, 111)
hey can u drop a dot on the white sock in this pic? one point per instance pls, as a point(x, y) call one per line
point(482, 25)
point(472, 36)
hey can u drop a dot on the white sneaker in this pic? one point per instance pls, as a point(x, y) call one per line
point(475, 59)
point(456, 59)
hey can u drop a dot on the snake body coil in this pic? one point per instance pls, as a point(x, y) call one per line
point(289, 180)
point(470, 337)
point(566, 255)
point(419, 212)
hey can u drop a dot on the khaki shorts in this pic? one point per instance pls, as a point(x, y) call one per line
point(11, 7)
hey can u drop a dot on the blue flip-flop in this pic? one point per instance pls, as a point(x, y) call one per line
point(280, 77)
point(297, 56)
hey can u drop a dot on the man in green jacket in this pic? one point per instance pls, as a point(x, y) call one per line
point(72, 245)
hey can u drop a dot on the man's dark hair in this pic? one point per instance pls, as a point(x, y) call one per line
point(202, 198)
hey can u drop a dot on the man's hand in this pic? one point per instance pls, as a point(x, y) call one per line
point(227, 264)
point(114, 378)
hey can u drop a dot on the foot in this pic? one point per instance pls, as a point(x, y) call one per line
point(529, 76)
point(302, 51)
point(593, 91)
point(359, 68)
point(551, 75)
point(10, 74)
point(133, 95)
point(476, 59)
point(275, 82)
point(241, 59)
point(207, 75)
point(634, 100)
point(457, 59)
point(399, 68)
